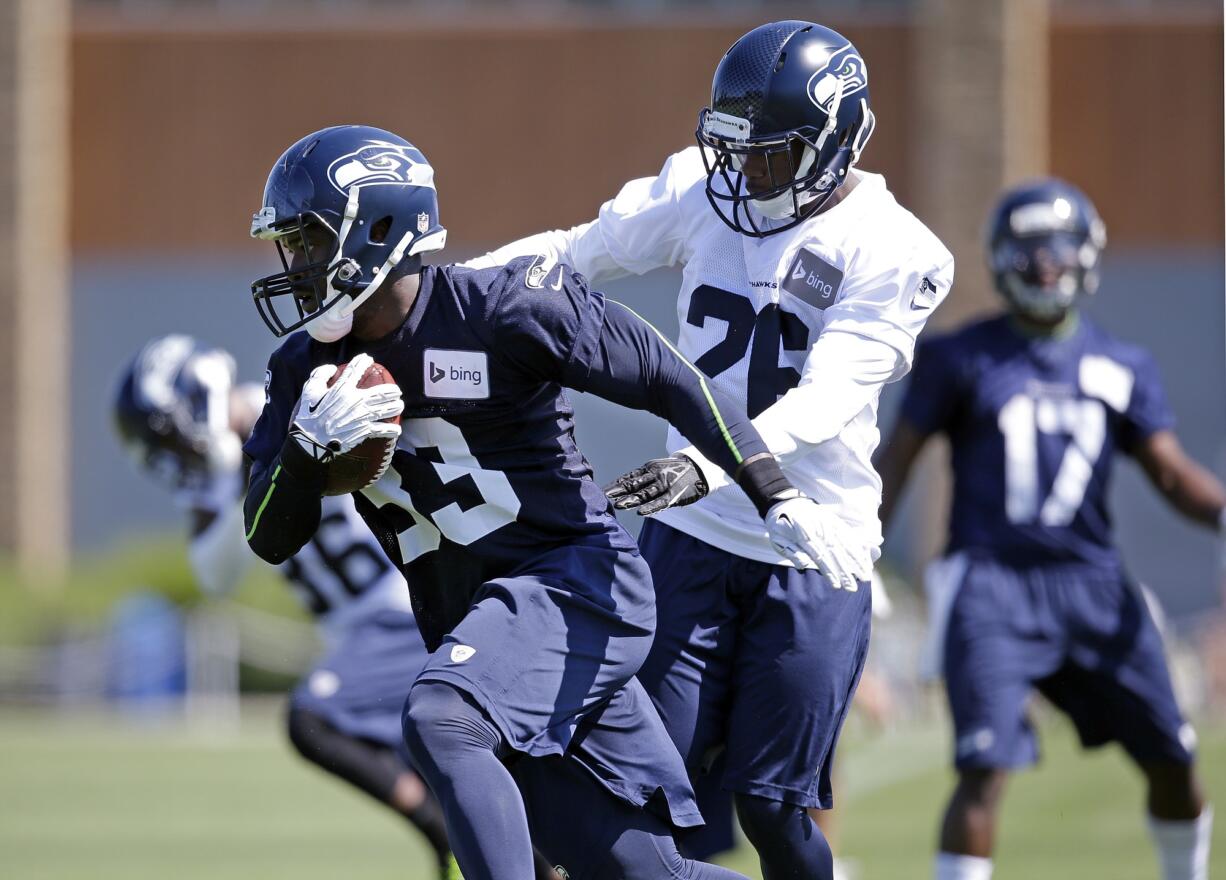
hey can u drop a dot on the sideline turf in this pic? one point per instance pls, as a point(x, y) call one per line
point(85, 796)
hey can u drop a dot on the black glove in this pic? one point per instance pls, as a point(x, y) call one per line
point(659, 484)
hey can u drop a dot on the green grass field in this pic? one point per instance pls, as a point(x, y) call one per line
point(85, 796)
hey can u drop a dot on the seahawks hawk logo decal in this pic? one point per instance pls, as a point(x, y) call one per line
point(843, 75)
point(380, 163)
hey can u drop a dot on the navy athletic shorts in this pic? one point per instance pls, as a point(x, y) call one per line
point(550, 651)
point(754, 665)
point(1083, 637)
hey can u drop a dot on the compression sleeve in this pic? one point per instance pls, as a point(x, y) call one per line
point(281, 512)
point(843, 374)
point(632, 364)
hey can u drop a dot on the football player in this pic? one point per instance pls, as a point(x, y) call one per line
point(804, 286)
point(1032, 593)
point(534, 602)
point(183, 418)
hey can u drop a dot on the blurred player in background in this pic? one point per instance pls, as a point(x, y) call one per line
point(804, 287)
point(1032, 593)
point(534, 601)
point(183, 418)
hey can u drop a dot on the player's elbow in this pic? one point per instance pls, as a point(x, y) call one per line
point(270, 553)
point(273, 545)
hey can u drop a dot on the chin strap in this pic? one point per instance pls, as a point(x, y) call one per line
point(332, 325)
point(346, 310)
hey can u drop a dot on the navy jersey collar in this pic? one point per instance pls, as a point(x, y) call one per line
point(408, 327)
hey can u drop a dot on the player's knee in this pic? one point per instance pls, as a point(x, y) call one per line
point(307, 733)
point(636, 855)
point(650, 853)
point(785, 837)
point(764, 819)
point(441, 722)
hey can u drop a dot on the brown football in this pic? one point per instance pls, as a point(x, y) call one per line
point(356, 469)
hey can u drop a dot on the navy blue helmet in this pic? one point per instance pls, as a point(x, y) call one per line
point(348, 207)
point(172, 410)
point(1044, 243)
point(789, 116)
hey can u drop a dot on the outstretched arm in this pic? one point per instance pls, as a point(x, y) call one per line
point(1187, 486)
point(578, 338)
point(634, 365)
point(638, 230)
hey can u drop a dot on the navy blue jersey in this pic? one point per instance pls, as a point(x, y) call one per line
point(487, 473)
point(1034, 424)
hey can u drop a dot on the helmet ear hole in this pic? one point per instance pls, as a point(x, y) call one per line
point(379, 230)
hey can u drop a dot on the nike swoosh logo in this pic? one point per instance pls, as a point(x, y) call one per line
point(312, 407)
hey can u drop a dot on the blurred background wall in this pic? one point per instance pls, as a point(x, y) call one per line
point(533, 113)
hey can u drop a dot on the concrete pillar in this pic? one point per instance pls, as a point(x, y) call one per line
point(980, 74)
point(980, 80)
point(35, 343)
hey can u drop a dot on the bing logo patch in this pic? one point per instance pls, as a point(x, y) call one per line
point(456, 375)
point(813, 280)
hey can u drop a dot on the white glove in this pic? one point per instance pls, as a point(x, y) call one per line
point(810, 535)
point(332, 421)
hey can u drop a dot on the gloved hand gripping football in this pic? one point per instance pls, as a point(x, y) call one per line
point(333, 419)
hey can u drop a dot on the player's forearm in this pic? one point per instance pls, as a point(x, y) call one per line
point(637, 367)
point(581, 247)
point(282, 509)
point(1188, 487)
point(1194, 492)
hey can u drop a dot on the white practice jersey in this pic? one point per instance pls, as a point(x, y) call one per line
point(804, 327)
point(342, 576)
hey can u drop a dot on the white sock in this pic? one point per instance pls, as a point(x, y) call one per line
point(950, 866)
point(1183, 847)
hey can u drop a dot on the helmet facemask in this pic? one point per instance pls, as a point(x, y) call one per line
point(315, 277)
point(805, 166)
point(1042, 277)
point(1046, 257)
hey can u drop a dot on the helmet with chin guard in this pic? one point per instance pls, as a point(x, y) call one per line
point(792, 98)
point(172, 411)
point(1045, 240)
point(348, 207)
